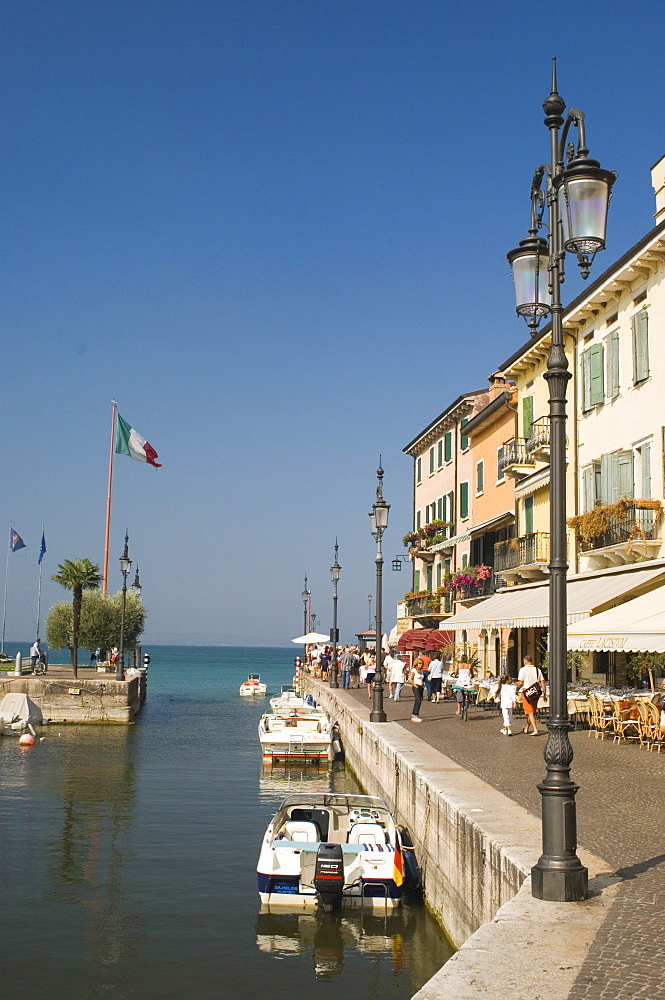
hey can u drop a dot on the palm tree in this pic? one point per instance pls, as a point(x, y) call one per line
point(77, 575)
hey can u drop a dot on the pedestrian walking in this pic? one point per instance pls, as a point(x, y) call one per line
point(507, 700)
point(35, 653)
point(464, 674)
point(370, 675)
point(531, 686)
point(346, 664)
point(436, 677)
point(397, 674)
point(425, 661)
point(355, 668)
point(417, 682)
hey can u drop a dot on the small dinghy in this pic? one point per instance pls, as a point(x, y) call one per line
point(331, 850)
point(19, 715)
point(252, 686)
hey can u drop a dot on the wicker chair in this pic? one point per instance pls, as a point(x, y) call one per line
point(625, 726)
point(646, 725)
point(601, 722)
point(657, 736)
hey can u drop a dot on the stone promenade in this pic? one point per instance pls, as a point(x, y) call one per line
point(620, 809)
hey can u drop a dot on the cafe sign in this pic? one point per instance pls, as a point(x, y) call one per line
point(609, 642)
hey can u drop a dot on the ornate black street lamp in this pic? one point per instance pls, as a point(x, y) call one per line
point(136, 586)
point(577, 192)
point(125, 566)
point(378, 519)
point(335, 573)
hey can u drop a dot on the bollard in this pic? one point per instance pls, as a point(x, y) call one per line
point(18, 669)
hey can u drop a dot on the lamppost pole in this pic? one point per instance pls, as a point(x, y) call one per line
point(577, 193)
point(369, 619)
point(379, 522)
point(335, 573)
point(125, 566)
point(306, 596)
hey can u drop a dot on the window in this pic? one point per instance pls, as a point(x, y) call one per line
point(464, 500)
point(419, 470)
point(418, 519)
point(465, 561)
point(591, 486)
point(593, 387)
point(416, 581)
point(643, 472)
point(612, 365)
point(640, 326)
point(430, 571)
point(431, 460)
point(617, 476)
point(527, 416)
point(439, 574)
point(439, 509)
point(464, 441)
point(499, 460)
point(448, 446)
point(480, 477)
point(439, 453)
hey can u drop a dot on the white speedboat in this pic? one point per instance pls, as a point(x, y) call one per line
point(253, 685)
point(288, 700)
point(331, 850)
point(305, 736)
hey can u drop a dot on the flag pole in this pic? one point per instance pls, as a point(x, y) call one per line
point(39, 588)
point(108, 500)
point(4, 604)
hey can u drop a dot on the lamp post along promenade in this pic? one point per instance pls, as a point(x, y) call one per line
point(125, 566)
point(335, 573)
point(379, 522)
point(576, 191)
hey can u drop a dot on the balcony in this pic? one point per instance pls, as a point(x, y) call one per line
point(524, 558)
point(480, 589)
point(538, 444)
point(429, 605)
point(633, 534)
point(516, 461)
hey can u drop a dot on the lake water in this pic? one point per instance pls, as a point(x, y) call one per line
point(129, 857)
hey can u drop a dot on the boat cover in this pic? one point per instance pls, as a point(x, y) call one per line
point(16, 707)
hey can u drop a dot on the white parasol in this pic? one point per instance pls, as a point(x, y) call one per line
point(307, 640)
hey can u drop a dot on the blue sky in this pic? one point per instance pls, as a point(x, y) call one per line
point(276, 233)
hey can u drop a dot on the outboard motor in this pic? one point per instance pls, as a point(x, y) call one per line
point(329, 876)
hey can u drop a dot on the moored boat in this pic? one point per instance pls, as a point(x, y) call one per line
point(297, 736)
point(331, 850)
point(288, 700)
point(253, 685)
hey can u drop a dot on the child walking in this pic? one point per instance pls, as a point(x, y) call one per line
point(507, 701)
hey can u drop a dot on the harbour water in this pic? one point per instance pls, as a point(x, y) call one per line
point(129, 855)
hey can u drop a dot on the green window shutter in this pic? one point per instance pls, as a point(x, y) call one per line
point(438, 574)
point(439, 453)
point(416, 581)
point(612, 365)
point(527, 416)
point(430, 569)
point(464, 441)
point(640, 326)
point(439, 509)
point(418, 518)
point(646, 470)
point(480, 477)
point(596, 384)
point(465, 561)
point(419, 470)
point(499, 460)
point(431, 461)
point(528, 516)
point(448, 445)
point(464, 499)
point(451, 510)
point(586, 381)
point(625, 474)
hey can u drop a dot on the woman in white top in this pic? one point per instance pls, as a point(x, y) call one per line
point(463, 679)
point(527, 678)
point(507, 701)
point(396, 676)
point(417, 682)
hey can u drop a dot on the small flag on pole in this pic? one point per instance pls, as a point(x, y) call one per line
point(15, 541)
point(129, 442)
point(42, 549)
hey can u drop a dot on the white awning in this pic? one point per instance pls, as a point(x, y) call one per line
point(638, 626)
point(528, 606)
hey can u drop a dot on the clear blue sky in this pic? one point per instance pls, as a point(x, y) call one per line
point(276, 233)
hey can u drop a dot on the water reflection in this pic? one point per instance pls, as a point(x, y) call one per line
point(277, 780)
point(326, 936)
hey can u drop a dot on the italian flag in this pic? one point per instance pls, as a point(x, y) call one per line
point(129, 442)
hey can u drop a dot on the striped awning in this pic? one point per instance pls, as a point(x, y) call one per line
point(528, 606)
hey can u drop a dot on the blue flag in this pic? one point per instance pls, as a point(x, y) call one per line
point(42, 549)
point(15, 541)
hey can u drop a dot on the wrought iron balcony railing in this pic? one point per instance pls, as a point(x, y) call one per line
point(524, 551)
point(515, 454)
point(634, 526)
point(539, 439)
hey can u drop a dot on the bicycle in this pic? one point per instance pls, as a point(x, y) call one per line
point(467, 699)
point(40, 665)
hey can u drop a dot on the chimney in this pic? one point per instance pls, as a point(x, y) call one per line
point(498, 384)
point(658, 182)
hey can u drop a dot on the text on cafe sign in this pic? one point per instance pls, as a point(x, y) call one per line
point(604, 642)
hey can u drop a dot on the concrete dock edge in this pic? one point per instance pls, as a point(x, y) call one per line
point(476, 847)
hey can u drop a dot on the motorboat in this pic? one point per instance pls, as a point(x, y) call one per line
point(253, 685)
point(19, 715)
point(331, 850)
point(297, 735)
point(288, 700)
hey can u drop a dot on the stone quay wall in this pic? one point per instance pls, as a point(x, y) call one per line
point(66, 700)
point(476, 848)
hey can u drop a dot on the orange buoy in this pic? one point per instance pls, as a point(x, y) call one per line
point(26, 740)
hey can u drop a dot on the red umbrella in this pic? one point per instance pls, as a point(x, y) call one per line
point(438, 639)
